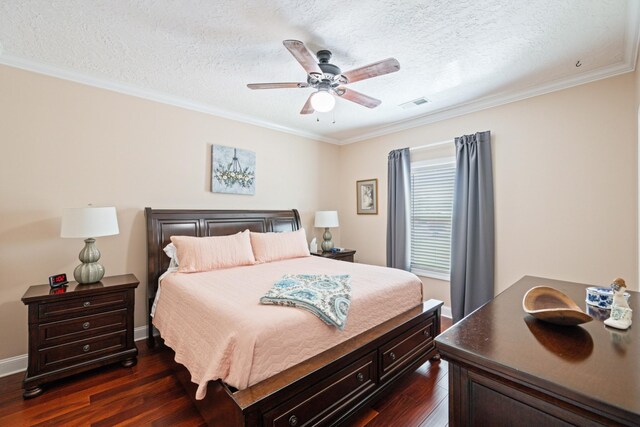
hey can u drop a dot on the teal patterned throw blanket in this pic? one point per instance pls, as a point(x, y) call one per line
point(328, 297)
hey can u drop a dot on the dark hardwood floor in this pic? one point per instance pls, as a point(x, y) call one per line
point(149, 395)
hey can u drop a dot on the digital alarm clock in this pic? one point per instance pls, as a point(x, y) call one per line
point(58, 280)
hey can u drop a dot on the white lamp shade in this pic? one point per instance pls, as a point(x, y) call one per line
point(327, 219)
point(89, 222)
point(322, 101)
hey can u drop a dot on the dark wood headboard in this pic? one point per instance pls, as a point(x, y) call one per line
point(164, 223)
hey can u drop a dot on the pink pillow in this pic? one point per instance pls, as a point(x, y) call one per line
point(269, 247)
point(210, 253)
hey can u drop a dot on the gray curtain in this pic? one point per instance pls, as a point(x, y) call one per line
point(399, 210)
point(472, 234)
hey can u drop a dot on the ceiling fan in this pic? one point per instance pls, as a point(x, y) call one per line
point(329, 80)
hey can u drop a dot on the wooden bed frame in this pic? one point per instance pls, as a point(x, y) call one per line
point(328, 388)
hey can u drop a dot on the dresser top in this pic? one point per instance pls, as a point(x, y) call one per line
point(74, 289)
point(593, 364)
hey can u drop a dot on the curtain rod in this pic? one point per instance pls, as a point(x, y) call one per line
point(432, 145)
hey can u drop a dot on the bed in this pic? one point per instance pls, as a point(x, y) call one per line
point(326, 388)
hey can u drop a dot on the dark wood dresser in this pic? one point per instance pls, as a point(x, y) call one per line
point(345, 255)
point(85, 327)
point(509, 369)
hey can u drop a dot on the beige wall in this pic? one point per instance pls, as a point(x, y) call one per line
point(565, 180)
point(637, 82)
point(637, 112)
point(565, 168)
point(66, 145)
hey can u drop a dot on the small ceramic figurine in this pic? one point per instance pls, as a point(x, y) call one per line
point(620, 310)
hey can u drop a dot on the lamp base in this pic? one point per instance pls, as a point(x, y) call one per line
point(327, 244)
point(90, 271)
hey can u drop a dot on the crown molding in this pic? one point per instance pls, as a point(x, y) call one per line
point(628, 65)
point(632, 41)
point(490, 102)
point(164, 98)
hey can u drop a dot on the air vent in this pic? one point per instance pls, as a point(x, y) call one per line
point(415, 103)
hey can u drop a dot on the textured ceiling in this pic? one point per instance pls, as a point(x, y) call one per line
point(201, 54)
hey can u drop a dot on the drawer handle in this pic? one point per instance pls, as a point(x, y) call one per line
point(425, 332)
point(86, 325)
point(360, 377)
point(85, 348)
point(293, 421)
point(392, 355)
point(86, 304)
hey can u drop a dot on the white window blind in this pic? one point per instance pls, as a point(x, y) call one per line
point(432, 185)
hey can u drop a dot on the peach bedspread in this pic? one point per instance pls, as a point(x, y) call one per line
point(219, 330)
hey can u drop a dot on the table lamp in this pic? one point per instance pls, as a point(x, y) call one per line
point(326, 220)
point(88, 223)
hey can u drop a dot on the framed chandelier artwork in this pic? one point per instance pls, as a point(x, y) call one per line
point(233, 170)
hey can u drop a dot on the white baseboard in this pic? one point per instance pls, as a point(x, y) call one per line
point(17, 364)
point(140, 333)
point(13, 365)
point(445, 311)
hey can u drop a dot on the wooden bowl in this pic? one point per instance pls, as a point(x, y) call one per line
point(552, 306)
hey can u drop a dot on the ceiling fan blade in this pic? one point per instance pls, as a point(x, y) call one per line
point(386, 66)
point(276, 85)
point(307, 109)
point(357, 97)
point(303, 56)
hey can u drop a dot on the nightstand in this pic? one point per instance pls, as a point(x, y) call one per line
point(85, 327)
point(345, 255)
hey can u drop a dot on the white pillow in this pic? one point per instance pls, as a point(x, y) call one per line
point(172, 253)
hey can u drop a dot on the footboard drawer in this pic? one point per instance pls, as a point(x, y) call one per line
point(327, 399)
point(401, 351)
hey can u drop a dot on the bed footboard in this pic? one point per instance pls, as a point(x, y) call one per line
point(332, 386)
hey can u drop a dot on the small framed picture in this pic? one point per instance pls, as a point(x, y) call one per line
point(367, 197)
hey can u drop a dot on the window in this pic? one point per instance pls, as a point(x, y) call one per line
point(432, 184)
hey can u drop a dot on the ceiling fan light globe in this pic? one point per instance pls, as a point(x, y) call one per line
point(322, 101)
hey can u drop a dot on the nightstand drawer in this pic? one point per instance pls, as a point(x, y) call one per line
point(348, 257)
point(81, 306)
point(81, 327)
point(71, 354)
point(344, 255)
